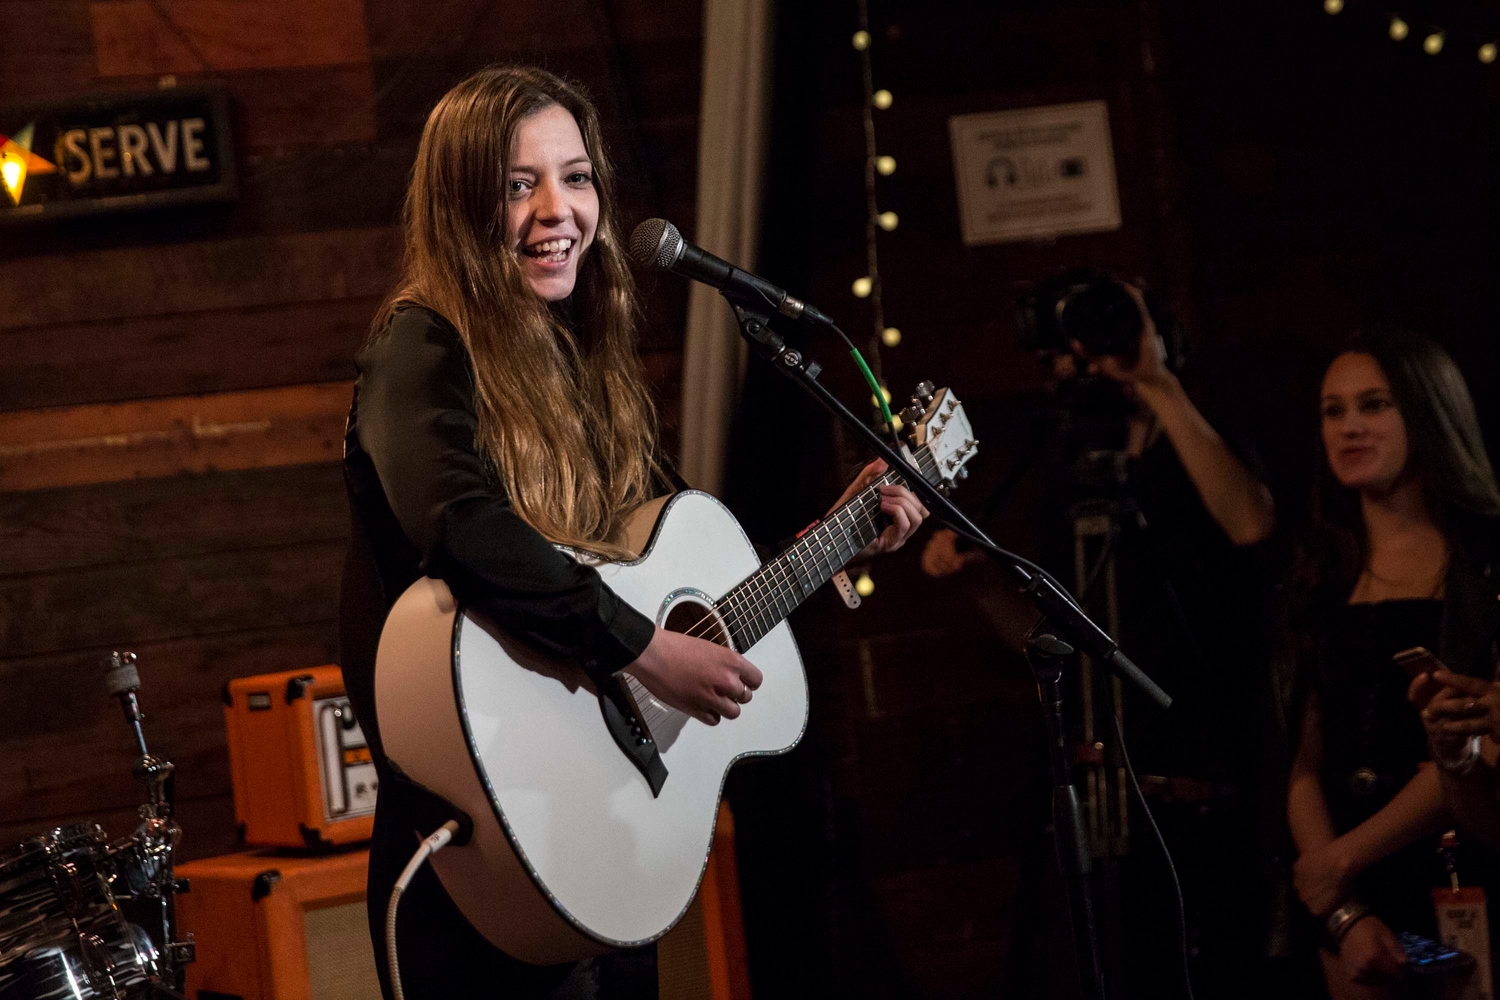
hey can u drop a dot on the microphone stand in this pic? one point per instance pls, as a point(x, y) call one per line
point(1063, 627)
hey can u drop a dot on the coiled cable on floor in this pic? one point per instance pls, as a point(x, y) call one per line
point(428, 848)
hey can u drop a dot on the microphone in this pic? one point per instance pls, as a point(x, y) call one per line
point(656, 243)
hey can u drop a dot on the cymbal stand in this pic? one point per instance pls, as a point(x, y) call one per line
point(146, 879)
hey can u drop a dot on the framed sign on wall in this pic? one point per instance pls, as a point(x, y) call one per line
point(1035, 172)
point(88, 156)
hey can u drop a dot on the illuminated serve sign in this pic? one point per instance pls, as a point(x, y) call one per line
point(122, 151)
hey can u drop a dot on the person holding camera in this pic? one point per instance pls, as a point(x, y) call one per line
point(1181, 570)
point(1156, 407)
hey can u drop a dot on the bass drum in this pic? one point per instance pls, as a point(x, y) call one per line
point(61, 932)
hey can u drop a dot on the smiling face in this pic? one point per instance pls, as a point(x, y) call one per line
point(552, 206)
point(1364, 433)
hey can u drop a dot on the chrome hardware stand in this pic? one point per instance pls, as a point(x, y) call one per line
point(150, 885)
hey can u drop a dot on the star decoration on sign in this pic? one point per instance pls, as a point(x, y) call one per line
point(17, 161)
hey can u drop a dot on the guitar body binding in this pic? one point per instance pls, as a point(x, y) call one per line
point(574, 852)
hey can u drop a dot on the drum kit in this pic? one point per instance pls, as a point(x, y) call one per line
point(83, 917)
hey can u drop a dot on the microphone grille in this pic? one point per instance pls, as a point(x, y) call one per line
point(656, 243)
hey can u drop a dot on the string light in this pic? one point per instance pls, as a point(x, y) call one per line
point(1434, 36)
point(869, 286)
point(876, 164)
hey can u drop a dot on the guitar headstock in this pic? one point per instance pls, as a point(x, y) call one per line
point(936, 421)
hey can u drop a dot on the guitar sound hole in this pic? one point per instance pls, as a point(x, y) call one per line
point(696, 618)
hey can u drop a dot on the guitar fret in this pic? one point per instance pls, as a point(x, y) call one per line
point(762, 600)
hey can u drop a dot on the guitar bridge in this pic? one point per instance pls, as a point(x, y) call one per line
point(630, 734)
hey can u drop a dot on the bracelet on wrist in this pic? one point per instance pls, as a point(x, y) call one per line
point(1463, 763)
point(1345, 917)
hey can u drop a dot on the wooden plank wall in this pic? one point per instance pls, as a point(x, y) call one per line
point(173, 385)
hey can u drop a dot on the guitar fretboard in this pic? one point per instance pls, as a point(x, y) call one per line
point(768, 595)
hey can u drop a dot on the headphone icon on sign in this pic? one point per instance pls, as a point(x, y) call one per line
point(992, 172)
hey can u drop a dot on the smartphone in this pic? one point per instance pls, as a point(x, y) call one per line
point(1417, 660)
point(1425, 956)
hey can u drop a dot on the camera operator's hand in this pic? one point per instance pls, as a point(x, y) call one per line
point(941, 556)
point(1150, 366)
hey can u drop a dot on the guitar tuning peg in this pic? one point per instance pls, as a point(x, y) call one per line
point(924, 393)
point(912, 415)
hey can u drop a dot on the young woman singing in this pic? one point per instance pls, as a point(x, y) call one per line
point(499, 411)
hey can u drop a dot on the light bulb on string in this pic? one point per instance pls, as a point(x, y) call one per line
point(862, 288)
point(1399, 29)
point(881, 99)
point(861, 40)
point(887, 221)
point(1433, 43)
point(890, 336)
point(864, 586)
point(1333, 6)
point(885, 165)
point(1487, 52)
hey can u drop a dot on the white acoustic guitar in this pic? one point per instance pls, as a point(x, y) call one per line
point(594, 810)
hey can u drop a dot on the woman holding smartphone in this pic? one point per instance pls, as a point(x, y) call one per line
point(1462, 717)
point(1401, 555)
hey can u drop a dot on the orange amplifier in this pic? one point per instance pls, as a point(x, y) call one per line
point(278, 927)
point(301, 768)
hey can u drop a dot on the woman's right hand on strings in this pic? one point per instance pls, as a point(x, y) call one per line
point(1371, 954)
point(702, 678)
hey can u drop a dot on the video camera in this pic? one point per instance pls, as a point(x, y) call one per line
point(1095, 309)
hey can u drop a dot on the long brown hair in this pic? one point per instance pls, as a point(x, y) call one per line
point(564, 415)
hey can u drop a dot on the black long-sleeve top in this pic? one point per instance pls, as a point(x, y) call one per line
point(424, 502)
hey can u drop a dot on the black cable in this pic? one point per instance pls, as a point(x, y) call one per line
point(1135, 785)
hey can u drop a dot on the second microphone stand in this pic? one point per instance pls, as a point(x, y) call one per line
point(1064, 626)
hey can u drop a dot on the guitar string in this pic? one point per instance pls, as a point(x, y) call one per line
point(860, 509)
point(924, 462)
point(762, 602)
point(757, 607)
